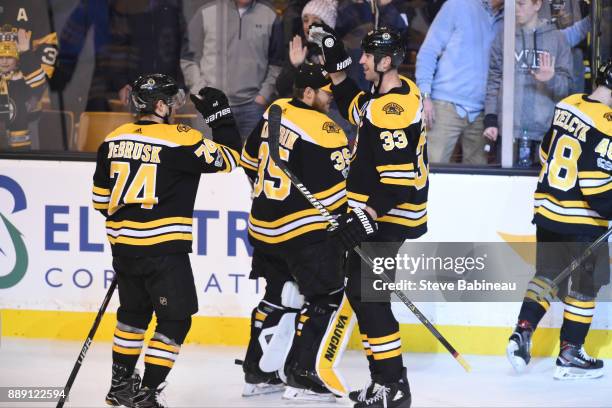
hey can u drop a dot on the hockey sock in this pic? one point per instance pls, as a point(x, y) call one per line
point(127, 345)
point(577, 318)
point(159, 359)
point(533, 308)
point(368, 351)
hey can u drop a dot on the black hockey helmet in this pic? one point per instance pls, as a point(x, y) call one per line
point(384, 42)
point(313, 76)
point(604, 75)
point(150, 88)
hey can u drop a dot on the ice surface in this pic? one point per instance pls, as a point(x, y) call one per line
point(205, 376)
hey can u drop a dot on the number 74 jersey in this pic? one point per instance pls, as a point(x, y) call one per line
point(574, 194)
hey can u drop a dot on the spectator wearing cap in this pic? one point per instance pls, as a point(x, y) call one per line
point(451, 72)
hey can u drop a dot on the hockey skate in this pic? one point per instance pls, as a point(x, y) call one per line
point(123, 386)
point(389, 395)
point(305, 386)
point(150, 398)
point(365, 392)
point(574, 363)
point(519, 346)
point(261, 383)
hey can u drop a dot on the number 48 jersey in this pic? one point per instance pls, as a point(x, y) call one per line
point(146, 180)
point(574, 194)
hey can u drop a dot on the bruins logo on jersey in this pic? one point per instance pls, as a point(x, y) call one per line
point(331, 127)
point(183, 128)
point(392, 108)
point(608, 116)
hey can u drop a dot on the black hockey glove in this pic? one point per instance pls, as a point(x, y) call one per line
point(354, 227)
point(214, 107)
point(336, 58)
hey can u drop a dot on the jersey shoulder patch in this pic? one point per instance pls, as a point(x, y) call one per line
point(395, 110)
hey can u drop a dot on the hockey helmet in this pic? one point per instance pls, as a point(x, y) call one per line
point(384, 42)
point(604, 75)
point(150, 88)
point(313, 76)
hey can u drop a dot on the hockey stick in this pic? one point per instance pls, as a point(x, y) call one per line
point(374, 8)
point(87, 344)
point(274, 124)
point(571, 268)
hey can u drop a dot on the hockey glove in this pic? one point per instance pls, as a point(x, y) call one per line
point(354, 227)
point(336, 58)
point(214, 107)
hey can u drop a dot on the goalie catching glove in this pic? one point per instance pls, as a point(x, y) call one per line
point(336, 58)
point(214, 107)
point(353, 228)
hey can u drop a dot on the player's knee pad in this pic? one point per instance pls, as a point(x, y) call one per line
point(541, 290)
point(291, 296)
point(139, 320)
point(175, 330)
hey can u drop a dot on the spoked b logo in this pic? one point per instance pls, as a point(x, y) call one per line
point(11, 241)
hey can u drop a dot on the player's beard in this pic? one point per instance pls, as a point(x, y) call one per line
point(320, 105)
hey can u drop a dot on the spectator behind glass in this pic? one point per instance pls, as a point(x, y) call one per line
point(146, 36)
point(451, 72)
point(236, 46)
point(355, 20)
point(567, 17)
point(316, 11)
point(32, 16)
point(22, 83)
point(543, 66)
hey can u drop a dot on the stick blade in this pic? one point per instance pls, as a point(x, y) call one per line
point(274, 123)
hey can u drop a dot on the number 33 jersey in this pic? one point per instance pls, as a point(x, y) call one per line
point(389, 167)
point(316, 152)
point(574, 194)
point(146, 181)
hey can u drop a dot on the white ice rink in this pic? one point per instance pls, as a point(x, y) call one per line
point(207, 377)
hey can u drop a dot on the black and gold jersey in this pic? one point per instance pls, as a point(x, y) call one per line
point(146, 181)
point(315, 149)
point(389, 167)
point(574, 193)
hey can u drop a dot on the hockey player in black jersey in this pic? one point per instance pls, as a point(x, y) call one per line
point(145, 183)
point(289, 240)
point(573, 206)
point(387, 191)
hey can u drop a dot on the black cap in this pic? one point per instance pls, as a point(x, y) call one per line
point(384, 42)
point(311, 75)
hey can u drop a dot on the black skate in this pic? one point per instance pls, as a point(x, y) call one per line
point(574, 363)
point(519, 346)
point(364, 393)
point(124, 386)
point(150, 398)
point(390, 395)
point(259, 383)
point(305, 385)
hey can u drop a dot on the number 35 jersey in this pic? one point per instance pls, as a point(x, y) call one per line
point(574, 194)
point(389, 167)
point(315, 149)
point(146, 181)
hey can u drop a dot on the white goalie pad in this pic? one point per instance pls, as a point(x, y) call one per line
point(276, 343)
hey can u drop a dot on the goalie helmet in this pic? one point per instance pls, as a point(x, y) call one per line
point(384, 42)
point(148, 89)
point(604, 75)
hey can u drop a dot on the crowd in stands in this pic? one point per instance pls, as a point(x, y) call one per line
point(86, 57)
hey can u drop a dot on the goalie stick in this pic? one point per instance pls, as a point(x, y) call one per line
point(274, 124)
point(87, 344)
point(571, 268)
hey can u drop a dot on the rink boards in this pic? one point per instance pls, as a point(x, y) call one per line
point(55, 262)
